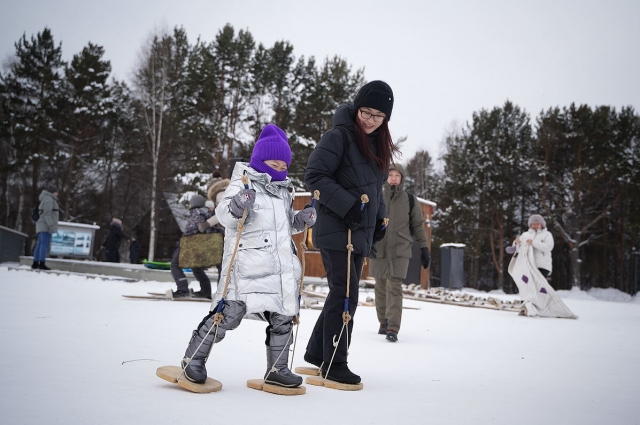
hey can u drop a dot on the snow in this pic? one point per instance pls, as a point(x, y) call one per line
point(74, 351)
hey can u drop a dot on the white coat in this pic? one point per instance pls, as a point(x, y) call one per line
point(542, 246)
point(266, 272)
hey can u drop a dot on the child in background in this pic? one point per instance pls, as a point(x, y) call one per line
point(198, 214)
point(215, 193)
point(266, 271)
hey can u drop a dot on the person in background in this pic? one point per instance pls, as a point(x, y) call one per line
point(352, 159)
point(542, 242)
point(390, 262)
point(215, 193)
point(198, 214)
point(112, 244)
point(134, 250)
point(265, 275)
point(46, 225)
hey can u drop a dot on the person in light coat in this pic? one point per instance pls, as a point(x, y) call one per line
point(542, 242)
point(46, 225)
point(265, 272)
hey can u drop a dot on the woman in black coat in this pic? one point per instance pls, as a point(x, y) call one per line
point(350, 160)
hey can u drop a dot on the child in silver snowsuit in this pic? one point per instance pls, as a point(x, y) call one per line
point(265, 274)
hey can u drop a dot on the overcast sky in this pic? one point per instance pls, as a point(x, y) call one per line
point(443, 59)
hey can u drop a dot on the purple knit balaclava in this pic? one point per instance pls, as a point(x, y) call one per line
point(271, 145)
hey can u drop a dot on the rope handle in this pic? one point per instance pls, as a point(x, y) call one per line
point(219, 316)
point(303, 248)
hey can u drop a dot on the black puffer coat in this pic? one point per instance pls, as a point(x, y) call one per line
point(342, 174)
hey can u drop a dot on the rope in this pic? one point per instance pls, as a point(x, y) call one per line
point(303, 248)
point(273, 366)
point(218, 316)
point(346, 317)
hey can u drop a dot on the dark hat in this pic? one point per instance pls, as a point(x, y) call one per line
point(196, 201)
point(537, 218)
point(52, 188)
point(377, 95)
point(271, 145)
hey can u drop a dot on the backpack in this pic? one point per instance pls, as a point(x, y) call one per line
point(35, 214)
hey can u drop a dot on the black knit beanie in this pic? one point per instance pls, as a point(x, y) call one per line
point(377, 95)
point(52, 188)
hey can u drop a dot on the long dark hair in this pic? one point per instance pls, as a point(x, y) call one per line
point(386, 148)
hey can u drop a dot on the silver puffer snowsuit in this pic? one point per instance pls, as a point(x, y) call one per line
point(264, 277)
point(266, 271)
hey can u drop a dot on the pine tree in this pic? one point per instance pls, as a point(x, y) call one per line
point(31, 100)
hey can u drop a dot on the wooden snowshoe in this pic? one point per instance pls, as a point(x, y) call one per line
point(258, 384)
point(328, 383)
point(307, 370)
point(172, 374)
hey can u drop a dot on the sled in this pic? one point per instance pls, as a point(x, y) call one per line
point(172, 374)
point(165, 298)
point(258, 384)
point(156, 265)
point(319, 381)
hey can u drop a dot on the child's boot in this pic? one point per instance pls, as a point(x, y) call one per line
point(278, 344)
point(199, 348)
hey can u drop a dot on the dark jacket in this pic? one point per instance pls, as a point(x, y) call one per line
point(394, 251)
point(197, 216)
point(115, 236)
point(342, 174)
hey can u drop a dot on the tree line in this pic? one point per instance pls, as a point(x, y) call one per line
point(118, 148)
point(578, 166)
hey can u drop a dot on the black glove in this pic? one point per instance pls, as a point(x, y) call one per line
point(425, 257)
point(379, 232)
point(354, 217)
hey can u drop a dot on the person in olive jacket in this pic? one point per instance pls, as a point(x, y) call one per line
point(390, 263)
point(46, 225)
point(350, 160)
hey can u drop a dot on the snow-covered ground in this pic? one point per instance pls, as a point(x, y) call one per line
point(74, 351)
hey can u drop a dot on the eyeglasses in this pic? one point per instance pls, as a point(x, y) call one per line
point(366, 115)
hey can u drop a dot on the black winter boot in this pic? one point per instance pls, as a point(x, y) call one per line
point(310, 359)
point(35, 264)
point(43, 266)
point(278, 342)
point(392, 336)
point(383, 328)
point(340, 372)
point(202, 294)
point(198, 351)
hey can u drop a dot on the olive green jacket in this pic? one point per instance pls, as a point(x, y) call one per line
point(394, 251)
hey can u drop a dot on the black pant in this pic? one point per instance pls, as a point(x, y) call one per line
point(113, 255)
point(330, 322)
point(181, 280)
